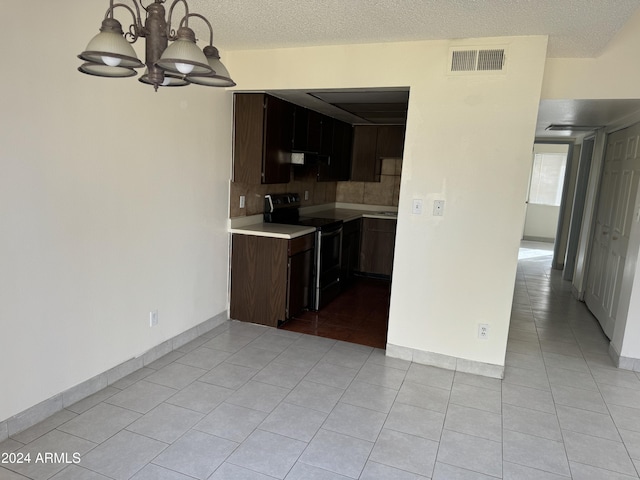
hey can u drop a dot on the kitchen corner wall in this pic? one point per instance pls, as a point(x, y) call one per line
point(386, 192)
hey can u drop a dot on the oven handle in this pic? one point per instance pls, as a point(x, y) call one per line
point(270, 200)
point(331, 233)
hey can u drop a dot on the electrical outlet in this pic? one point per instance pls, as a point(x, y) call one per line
point(438, 208)
point(483, 331)
point(153, 318)
point(306, 194)
point(242, 201)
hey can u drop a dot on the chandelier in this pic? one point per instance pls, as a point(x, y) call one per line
point(110, 54)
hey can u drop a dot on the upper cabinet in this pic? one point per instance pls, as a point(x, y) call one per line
point(262, 138)
point(390, 143)
point(372, 143)
point(307, 130)
point(268, 129)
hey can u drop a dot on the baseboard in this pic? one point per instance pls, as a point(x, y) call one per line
point(445, 361)
point(532, 238)
point(45, 409)
point(625, 363)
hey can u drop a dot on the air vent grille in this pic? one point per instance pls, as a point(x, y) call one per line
point(464, 60)
point(476, 60)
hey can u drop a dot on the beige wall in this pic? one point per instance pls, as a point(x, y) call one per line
point(613, 74)
point(113, 203)
point(452, 272)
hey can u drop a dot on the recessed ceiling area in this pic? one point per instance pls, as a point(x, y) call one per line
point(357, 106)
point(585, 115)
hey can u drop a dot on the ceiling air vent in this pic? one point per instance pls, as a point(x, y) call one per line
point(466, 60)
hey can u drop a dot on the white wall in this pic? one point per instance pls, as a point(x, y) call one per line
point(468, 142)
point(113, 203)
point(541, 222)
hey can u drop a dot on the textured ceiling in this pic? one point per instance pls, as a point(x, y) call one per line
point(576, 28)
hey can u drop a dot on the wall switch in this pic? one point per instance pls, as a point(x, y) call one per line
point(416, 208)
point(438, 208)
point(483, 331)
point(306, 194)
point(242, 201)
point(153, 318)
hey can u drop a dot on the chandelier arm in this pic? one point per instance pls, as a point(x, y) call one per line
point(171, 34)
point(137, 21)
point(184, 22)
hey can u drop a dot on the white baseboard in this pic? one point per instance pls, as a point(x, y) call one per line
point(625, 363)
point(445, 361)
point(34, 415)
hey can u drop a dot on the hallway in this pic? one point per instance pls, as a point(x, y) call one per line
point(245, 401)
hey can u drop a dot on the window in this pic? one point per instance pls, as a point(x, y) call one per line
point(547, 178)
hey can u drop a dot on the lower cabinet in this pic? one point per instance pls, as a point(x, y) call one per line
point(378, 241)
point(270, 277)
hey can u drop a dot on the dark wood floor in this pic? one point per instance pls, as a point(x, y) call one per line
point(358, 315)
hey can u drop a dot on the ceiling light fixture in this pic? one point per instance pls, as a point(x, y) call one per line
point(110, 54)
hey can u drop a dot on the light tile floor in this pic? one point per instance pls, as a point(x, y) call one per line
point(248, 402)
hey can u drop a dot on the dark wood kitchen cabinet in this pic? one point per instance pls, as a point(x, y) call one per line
point(263, 129)
point(378, 241)
point(270, 278)
point(339, 164)
point(307, 130)
point(372, 143)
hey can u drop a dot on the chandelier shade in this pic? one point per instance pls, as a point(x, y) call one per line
point(183, 56)
point(220, 76)
point(109, 47)
point(101, 70)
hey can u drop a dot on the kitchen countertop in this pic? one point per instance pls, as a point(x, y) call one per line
point(274, 230)
point(347, 214)
point(279, 230)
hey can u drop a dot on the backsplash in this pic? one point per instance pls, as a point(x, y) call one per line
point(386, 192)
point(319, 193)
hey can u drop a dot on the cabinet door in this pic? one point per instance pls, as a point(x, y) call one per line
point(307, 131)
point(248, 137)
point(341, 152)
point(258, 279)
point(377, 246)
point(390, 143)
point(278, 141)
point(365, 165)
point(299, 282)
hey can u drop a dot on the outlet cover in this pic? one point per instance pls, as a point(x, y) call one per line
point(438, 208)
point(153, 318)
point(242, 201)
point(483, 331)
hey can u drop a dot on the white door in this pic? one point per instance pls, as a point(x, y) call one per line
point(618, 189)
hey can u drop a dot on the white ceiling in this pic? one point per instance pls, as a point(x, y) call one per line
point(576, 28)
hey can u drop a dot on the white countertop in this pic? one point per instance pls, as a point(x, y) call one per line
point(347, 214)
point(273, 230)
point(254, 226)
